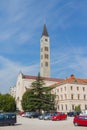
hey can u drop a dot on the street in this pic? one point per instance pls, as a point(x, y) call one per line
point(36, 124)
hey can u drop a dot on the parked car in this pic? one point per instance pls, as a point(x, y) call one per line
point(27, 114)
point(41, 117)
point(34, 115)
point(24, 114)
point(7, 119)
point(21, 113)
point(80, 120)
point(49, 115)
point(73, 113)
point(59, 116)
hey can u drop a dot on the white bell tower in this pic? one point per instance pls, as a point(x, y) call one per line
point(45, 53)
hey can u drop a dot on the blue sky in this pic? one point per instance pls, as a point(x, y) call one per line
point(21, 25)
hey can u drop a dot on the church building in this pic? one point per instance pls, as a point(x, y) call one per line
point(24, 81)
point(69, 92)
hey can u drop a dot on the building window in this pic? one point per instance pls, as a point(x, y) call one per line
point(85, 106)
point(65, 88)
point(61, 89)
point(78, 96)
point(57, 97)
point(83, 88)
point(62, 107)
point(46, 64)
point(72, 96)
point(65, 96)
point(46, 56)
point(66, 106)
point(61, 97)
point(57, 101)
point(72, 107)
point(77, 88)
point(84, 97)
point(71, 87)
point(58, 107)
point(46, 48)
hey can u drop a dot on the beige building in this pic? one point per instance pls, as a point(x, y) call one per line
point(24, 83)
point(69, 93)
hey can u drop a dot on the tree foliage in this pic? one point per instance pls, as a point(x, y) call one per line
point(38, 98)
point(7, 103)
point(78, 108)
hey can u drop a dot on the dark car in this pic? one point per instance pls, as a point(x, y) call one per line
point(34, 115)
point(7, 119)
point(80, 120)
point(72, 114)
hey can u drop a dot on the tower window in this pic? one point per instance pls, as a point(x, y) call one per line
point(46, 40)
point(41, 56)
point(46, 48)
point(46, 63)
point(46, 56)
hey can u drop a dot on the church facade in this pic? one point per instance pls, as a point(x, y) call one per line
point(24, 83)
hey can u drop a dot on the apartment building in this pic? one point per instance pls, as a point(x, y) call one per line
point(69, 93)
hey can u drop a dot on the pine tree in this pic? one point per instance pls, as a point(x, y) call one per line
point(38, 98)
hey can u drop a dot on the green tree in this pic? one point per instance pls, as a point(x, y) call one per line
point(7, 103)
point(38, 98)
point(78, 108)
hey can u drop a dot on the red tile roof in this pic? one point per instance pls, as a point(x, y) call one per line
point(73, 79)
point(44, 78)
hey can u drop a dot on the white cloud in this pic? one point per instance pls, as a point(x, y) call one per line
point(9, 71)
point(70, 61)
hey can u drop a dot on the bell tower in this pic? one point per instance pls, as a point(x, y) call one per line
point(45, 53)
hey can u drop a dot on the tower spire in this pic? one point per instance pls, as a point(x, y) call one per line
point(45, 33)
